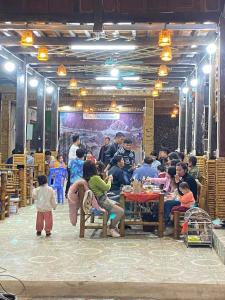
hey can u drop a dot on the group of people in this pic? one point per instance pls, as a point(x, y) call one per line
point(115, 168)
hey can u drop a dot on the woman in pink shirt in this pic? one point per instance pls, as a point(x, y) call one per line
point(168, 182)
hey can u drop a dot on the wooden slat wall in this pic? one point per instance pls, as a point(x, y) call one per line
point(220, 188)
point(20, 160)
point(149, 126)
point(201, 163)
point(211, 183)
point(39, 160)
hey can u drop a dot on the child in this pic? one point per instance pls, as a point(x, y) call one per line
point(90, 156)
point(45, 202)
point(187, 200)
point(76, 166)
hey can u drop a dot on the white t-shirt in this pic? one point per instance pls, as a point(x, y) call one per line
point(45, 198)
point(72, 153)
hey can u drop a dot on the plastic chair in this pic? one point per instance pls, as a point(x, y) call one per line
point(56, 179)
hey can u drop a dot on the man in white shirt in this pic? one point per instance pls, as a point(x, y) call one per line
point(72, 155)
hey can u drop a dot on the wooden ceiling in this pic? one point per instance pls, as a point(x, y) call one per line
point(189, 41)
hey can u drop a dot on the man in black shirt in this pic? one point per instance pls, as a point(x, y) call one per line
point(112, 149)
point(103, 150)
point(118, 175)
point(183, 176)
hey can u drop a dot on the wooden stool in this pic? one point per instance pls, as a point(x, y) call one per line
point(85, 217)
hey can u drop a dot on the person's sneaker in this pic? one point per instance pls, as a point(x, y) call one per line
point(38, 233)
point(168, 231)
point(113, 233)
point(48, 234)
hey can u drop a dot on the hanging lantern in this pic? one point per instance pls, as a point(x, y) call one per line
point(155, 93)
point(158, 85)
point(173, 116)
point(79, 104)
point(42, 54)
point(91, 109)
point(175, 111)
point(27, 38)
point(83, 92)
point(166, 54)
point(165, 38)
point(61, 71)
point(163, 71)
point(113, 104)
point(73, 83)
point(86, 110)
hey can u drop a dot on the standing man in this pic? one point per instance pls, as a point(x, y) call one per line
point(72, 155)
point(112, 149)
point(104, 148)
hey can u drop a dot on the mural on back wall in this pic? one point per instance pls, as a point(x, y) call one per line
point(92, 132)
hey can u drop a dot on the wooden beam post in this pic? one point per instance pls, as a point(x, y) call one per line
point(149, 126)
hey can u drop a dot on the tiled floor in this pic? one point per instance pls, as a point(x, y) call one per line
point(66, 258)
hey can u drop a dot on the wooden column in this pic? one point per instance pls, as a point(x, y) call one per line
point(5, 136)
point(41, 100)
point(199, 121)
point(182, 118)
point(54, 119)
point(149, 126)
point(21, 109)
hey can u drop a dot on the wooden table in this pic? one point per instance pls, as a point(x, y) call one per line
point(133, 197)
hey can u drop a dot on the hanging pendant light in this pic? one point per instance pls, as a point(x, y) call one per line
point(61, 71)
point(27, 38)
point(158, 85)
point(113, 104)
point(175, 110)
point(83, 92)
point(166, 54)
point(42, 54)
point(165, 38)
point(79, 104)
point(173, 116)
point(86, 110)
point(163, 71)
point(155, 93)
point(73, 83)
point(91, 109)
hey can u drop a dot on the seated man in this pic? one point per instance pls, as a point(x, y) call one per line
point(118, 175)
point(146, 170)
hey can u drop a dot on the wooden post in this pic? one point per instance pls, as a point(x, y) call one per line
point(82, 213)
point(149, 126)
point(3, 198)
point(161, 215)
point(122, 222)
point(19, 160)
point(176, 220)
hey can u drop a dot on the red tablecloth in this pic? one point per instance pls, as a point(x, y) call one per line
point(141, 197)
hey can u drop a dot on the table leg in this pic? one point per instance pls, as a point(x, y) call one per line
point(161, 215)
point(122, 222)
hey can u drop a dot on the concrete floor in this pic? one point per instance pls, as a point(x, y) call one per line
point(136, 266)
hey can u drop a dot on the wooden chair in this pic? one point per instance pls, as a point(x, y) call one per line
point(4, 199)
point(85, 217)
point(178, 217)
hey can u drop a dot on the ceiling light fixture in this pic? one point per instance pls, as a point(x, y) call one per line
point(107, 47)
point(79, 104)
point(207, 69)
point(155, 93)
point(49, 89)
point(113, 104)
point(33, 82)
point(211, 48)
point(42, 54)
point(114, 72)
point(106, 78)
point(108, 87)
point(173, 116)
point(83, 92)
point(185, 90)
point(27, 38)
point(166, 54)
point(158, 85)
point(165, 38)
point(9, 66)
point(73, 83)
point(131, 78)
point(163, 71)
point(61, 71)
point(194, 82)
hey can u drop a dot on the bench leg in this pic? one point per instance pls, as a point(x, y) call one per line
point(104, 225)
point(161, 216)
point(122, 222)
point(82, 223)
point(176, 220)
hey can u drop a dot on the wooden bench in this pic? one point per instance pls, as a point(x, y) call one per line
point(85, 217)
point(4, 199)
point(179, 216)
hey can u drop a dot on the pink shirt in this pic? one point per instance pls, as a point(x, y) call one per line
point(166, 181)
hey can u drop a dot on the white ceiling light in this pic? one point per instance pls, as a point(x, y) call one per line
point(9, 66)
point(132, 78)
point(194, 82)
point(106, 78)
point(211, 48)
point(114, 72)
point(185, 90)
point(108, 87)
point(33, 82)
point(124, 23)
point(193, 46)
point(207, 69)
point(49, 89)
point(107, 47)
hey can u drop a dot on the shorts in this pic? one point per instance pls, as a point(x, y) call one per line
point(106, 203)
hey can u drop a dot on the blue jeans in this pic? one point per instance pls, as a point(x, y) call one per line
point(168, 205)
